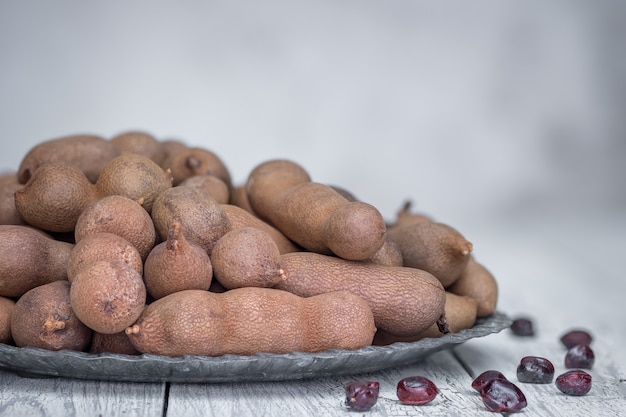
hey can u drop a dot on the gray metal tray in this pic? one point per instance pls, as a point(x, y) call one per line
point(38, 362)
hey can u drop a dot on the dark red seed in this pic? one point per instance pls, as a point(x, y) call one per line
point(535, 370)
point(522, 327)
point(574, 382)
point(416, 390)
point(579, 356)
point(576, 337)
point(362, 395)
point(502, 396)
point(481, 380)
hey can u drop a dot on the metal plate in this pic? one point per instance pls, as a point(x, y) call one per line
point(229, 368)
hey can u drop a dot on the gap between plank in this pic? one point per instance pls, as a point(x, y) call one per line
point(166, 397)
point(463, 364)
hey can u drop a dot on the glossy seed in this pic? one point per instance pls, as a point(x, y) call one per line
point(416, 390)
point(502, 396)
point(535, 370)
point(481, 380)
point(522, 327)
point(362, 395)
point(579, 356)
point(576, 337)
point(575, 382)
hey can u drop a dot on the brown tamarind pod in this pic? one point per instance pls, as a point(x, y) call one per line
point(141, 143)
point(8, 212)
point(240, 217)
point(478, 282)
point(90, 153)
point(314, 215)
point(30, 258)
point(434, 247)
point(188, 162)
point(405, 301)
point(460, 314)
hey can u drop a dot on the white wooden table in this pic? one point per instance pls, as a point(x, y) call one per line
point(563, 271)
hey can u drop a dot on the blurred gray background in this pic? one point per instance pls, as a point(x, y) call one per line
point(472, 110)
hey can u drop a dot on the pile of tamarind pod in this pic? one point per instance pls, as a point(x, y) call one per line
point(137, 245)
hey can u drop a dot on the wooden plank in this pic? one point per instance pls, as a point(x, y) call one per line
point(325, 397)
point(505, 351)
point(53, 397)
point(560, 284)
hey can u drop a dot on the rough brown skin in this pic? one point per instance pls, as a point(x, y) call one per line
point(170, 148)
point(176, 265)
point(29, 258)
point(460, 314)
point(141, 143)
point(246, 257)
point(58, 192)
point(89, 152)
point(433, 247)
point(8, 186)
point(112, 343)
point(478, 282)
point(107, 296)
point(201, 218)
point(268, 181)
point(239, 217)
point(121, 216)
point(405, 301)
point(6, 311)
point(355, 230)
point(216, 187)
point(239, 198)
point(102, 246)
point(318, 218)
point(389, 254)
point(43, 317)
point(293, 214)
point(54, 197)
point(134, 176)
point(314, 215)
point(246, 321)
point(196, 161)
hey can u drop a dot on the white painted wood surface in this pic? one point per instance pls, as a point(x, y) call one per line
point(561, 271)
point(37, 397)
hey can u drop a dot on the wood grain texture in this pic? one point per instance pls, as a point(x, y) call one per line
point(52, 397)
point(606, 397)
point(570, 278)
point(324, 397)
